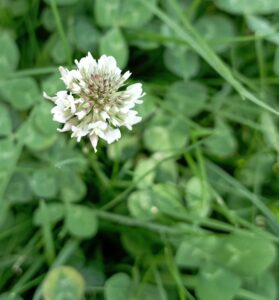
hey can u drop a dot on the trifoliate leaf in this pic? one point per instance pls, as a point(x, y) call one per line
point(21, 93)
point(55, 213)
point(182, 61)
point(118, 287)
point(247, 255)
point(215, 283)
point(186, 97)
point(81, 221)
point(9, 54)
point(44, 183)
point(63, 283)
point(215, 29)
point(113, 43)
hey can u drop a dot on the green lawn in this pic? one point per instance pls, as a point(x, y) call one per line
point(185, 206)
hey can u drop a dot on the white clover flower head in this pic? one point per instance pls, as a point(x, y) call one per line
point(95, 102)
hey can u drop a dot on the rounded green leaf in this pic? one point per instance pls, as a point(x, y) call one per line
point(137, 243)
point(118, 287)
point(7, 153)
point(167, 198)
point(44, 183)
point(215, 28)
point(48, 20)
point(21, 93)
point(58, 53)
point(63, 283)
point(245, 7)
point(143, 167)
point(222, 142)
point(72, 188)
point(86, 36)
point(149, 291)
point(113, 43)
point(265, 285)
point(52, 84)
point(195, 251)
point(5, 120)
point(66, 159)
point(262, 27)
point(166, 171)
point(81, 221)
point(270, 132)
point(256, 169)
point(198, 197)
point(247, 255)
point(125, 149)
point(9, 53)
point(19, 190)
point(151, 28)
point(107, 12)
point(157, 138)
point(141, 205)
point(214, 283)
point(43, 118)
point(33, 138)
point(126, 13)
point(187, 97)
point(55, 213)
point(169, 135)
point(148, 107)
point(182, 61)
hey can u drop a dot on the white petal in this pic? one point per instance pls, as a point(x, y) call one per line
point(81, 114)
point(99, 124)
point(126, 75)
point(104, 115)
point(47, 96)
point(68, 77)
point(111, 135)
point(86, 65)
point(58, 115)
point(66, 127)
point(94, 141)
point(131, 119)
point(79, 132)
point(107, 64)
point(72, 105)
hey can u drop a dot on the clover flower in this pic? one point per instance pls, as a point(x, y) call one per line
point(95, 102)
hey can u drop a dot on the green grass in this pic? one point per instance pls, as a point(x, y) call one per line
point(184, 206)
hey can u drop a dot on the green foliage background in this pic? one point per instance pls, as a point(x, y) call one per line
point(183, 207)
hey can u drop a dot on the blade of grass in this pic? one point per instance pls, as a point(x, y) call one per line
point(61, 31)
point(159, 228)
point(238, 188)
point(261, 62)
point(120, 197)
point(162, 292)
point(197, 43)
point(47, 234)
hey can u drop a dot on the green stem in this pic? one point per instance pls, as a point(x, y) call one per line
point(123, 195)
point(47, 234)
point(61, 31)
